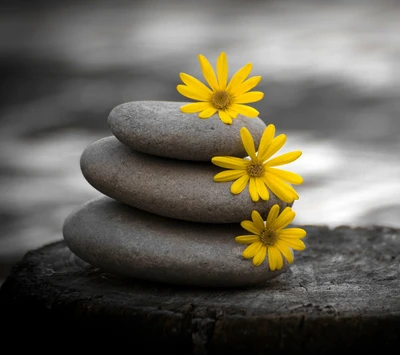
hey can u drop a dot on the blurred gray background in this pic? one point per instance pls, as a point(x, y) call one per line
point(331, 78)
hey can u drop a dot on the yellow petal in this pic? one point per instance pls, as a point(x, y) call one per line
point(231, 162)
point(192, 93)
point(229, 175)
point(284, 158)
point(247, 85)
point(239, 185)
point(208, 112)
point(253, 190)
point(262, 189)
point(286, 175)
point(208, 72)
point(281, 188)
point(248, 142)
point(276, 144)
point(247, 239)
point(252, 250)
point(273, 255)
point(195, 84)
point(292, 233)
point(248, 97)
point(260, 256)
point(250, 226)
point(285, 250)
point(275, 259)
point(257, 220)
point(224, 116)
point(272, 215)
point(265, 141)
point(239, 77)
point(279, 260)
point(285, 218)
point(246, 110)
point(292, 191)
point(278, 188)
point(195, 107)
point(295, 244)
point(222, 70)
point(232, 112)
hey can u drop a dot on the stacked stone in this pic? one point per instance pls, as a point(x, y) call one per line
point(161, 216)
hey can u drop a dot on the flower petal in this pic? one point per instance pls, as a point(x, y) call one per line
point(265, 142)
point(248, 143)
point(262, 189)
point(252, 250)
point(260, 256)
point(286, 175)
point(208, 112)
point(239, 77)
point(247, 85)
point(208, 72)
point(195, 84)
point(239, 185)
point(292, 233)
point(231, 112)
point(279, 260)
point(274, 258)
point(230, 162)
point(246, 110)
point(284, 158)
point(192, 93)
point(248, 97)
point(195, 107)
point(295, 244)
point(276, 144)
point(272, 215)
point(255, 197)
point(281, 187)
point(224, 116)
point(285, 218)
point(250, 226)
point(229, 175)
point(285, 250)
point(257, 219)
point(247, 239)
point(278, 187)
point(222, 70)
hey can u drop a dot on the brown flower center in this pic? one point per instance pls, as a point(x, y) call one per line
point(268, 236)
point(255, 169)
point(221, 100)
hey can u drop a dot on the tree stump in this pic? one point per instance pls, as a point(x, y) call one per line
point(341, 293)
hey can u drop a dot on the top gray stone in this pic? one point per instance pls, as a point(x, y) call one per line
point(160, 128)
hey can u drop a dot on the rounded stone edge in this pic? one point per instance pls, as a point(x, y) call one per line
point(163, 146)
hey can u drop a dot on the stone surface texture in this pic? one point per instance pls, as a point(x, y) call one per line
point(160, 128)
point(167, 187)
point(124, 240)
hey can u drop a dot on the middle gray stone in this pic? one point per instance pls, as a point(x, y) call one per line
point(167, 187)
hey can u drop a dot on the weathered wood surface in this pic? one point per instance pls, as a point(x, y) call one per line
point(341, 293)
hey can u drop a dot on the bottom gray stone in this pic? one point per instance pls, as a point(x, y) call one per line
point(124, 240)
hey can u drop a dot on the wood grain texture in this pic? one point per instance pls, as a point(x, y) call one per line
point(341, 293)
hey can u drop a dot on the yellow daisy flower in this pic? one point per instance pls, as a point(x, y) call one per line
point(258, 171)
point(271, 237)
point(227, 99)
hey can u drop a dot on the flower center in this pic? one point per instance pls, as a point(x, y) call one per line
point(255, 169)
point(221, 100)
point(268, 237)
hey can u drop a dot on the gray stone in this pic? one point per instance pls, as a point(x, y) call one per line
point(121, 239)
point(160, 128)
point(167, 187)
